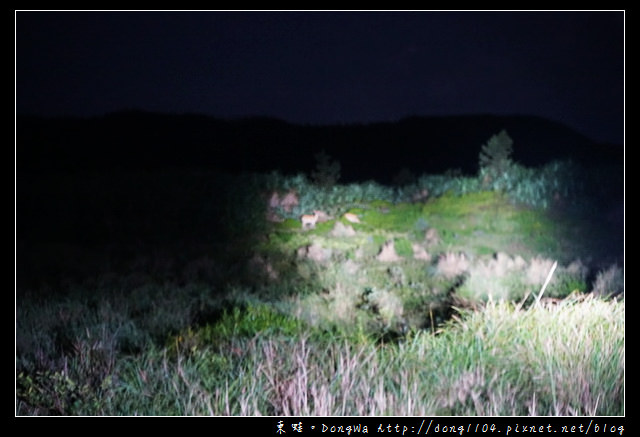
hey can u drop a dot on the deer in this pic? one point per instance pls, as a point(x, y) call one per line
point(309, 221)
point(349, 216)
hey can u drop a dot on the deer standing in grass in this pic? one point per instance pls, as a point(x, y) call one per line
point(309, 221)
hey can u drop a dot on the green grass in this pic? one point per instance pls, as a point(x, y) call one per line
point(239, 316)
point(499, 361)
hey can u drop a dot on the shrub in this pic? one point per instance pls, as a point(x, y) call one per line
point(451, 264)
point(495, 157)
point(609, 282)
point(327, 172)
point(503, 277)
point(558, 181)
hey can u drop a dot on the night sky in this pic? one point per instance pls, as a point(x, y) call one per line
point(326, 67)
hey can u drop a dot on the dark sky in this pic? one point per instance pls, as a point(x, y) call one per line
point(326, 67)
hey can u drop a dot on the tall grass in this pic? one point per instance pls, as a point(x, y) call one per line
point(231, 318)
point(566, 359)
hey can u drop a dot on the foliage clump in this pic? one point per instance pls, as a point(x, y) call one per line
point(327, 172)
point(609, 282)
point(495, 157)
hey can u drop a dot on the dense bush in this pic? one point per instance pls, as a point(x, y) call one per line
point(495, 157)
point(327, 172)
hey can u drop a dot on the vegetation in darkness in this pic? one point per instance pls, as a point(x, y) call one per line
point(190, 292)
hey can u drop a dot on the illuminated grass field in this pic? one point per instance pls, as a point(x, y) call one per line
point(198, 294)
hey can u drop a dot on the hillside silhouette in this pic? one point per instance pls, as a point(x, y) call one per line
point(131, 140)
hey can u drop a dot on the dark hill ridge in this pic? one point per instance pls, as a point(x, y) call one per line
point(143, 140)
